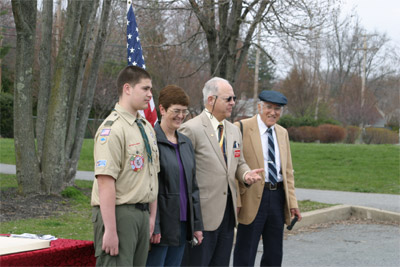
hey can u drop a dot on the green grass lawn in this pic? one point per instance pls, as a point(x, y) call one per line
point(357, 168)
point(77, 223)
point(86, 162)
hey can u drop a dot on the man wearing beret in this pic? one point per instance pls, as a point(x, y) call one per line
point(266, 206)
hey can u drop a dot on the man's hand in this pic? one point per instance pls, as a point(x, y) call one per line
point(199, 236)
point(252, 176)
point(155, 239)
point(110, 243)
point(106, 185)
point(296, 212)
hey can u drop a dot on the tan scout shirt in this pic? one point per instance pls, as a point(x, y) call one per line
point(119, 152)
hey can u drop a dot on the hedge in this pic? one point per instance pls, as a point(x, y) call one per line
point(353, 133)
point(380, 136)
point(328, 133)
point(288, 121)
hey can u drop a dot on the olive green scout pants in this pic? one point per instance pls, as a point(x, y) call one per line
point(133, 235)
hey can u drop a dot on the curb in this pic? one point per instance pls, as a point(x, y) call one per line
point(344, 212)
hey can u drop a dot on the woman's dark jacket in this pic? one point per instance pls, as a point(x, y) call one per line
point(168, 205)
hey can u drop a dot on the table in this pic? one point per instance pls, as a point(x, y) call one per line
point(62, 252)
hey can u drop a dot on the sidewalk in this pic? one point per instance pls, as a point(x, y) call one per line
point(379, 201)
point(80, 175)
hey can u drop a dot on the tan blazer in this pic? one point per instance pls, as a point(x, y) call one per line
point(252, 150)
point(212, 174)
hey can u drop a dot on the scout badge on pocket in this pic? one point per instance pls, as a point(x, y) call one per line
point(136, 162)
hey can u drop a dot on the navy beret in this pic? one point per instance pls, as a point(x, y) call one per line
point(273, 97)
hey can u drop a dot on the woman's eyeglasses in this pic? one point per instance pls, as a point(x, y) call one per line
point(177, 112)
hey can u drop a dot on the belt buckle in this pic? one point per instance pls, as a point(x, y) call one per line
point(273, 186)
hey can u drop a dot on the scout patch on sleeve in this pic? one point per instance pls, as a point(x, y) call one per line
point(105, 132)
point(103, 140)
point(101, 163)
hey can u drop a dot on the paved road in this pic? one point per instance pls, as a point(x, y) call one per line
point(344, 245)
point(355, 245)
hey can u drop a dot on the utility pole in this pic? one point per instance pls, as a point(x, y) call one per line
point(316, 72)
point(364, 74)
point(256, 69)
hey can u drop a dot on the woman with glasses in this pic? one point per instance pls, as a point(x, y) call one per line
point(178, 211)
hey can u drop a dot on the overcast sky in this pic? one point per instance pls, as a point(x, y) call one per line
point(379, 15)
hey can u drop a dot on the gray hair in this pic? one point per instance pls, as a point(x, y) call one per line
point(211, 87)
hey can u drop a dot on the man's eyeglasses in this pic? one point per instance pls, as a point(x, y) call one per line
point(270, 107)
point(227, 99)
point(177, 112)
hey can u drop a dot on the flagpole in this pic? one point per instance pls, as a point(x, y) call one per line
point(135, 57)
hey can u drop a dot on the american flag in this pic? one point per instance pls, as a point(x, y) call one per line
point(135, 57)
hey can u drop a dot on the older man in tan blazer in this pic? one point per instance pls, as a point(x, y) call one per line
point(219, 159)
point(266, 206)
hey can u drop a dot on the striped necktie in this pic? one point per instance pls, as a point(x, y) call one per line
point(272, 173)
point(221, 139)
point(145, 139)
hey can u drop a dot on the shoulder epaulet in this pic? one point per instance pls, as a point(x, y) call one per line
point(111, 118)
point(108, 123)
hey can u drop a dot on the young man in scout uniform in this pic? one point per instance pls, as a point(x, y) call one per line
point(126, 167)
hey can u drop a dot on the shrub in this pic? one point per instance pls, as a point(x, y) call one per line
point(293, 134)
point(6, 115)
point(306, 121)
point(328, 133)
point(352, 134)
point(288, 121)
point(305, 134)
point(308, 134)
point(380, 136)
point(328, 121)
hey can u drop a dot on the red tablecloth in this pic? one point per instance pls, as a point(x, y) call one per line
point(62, 252)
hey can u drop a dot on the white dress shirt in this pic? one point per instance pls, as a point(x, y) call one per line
point(215, 123)
point(264, 142)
